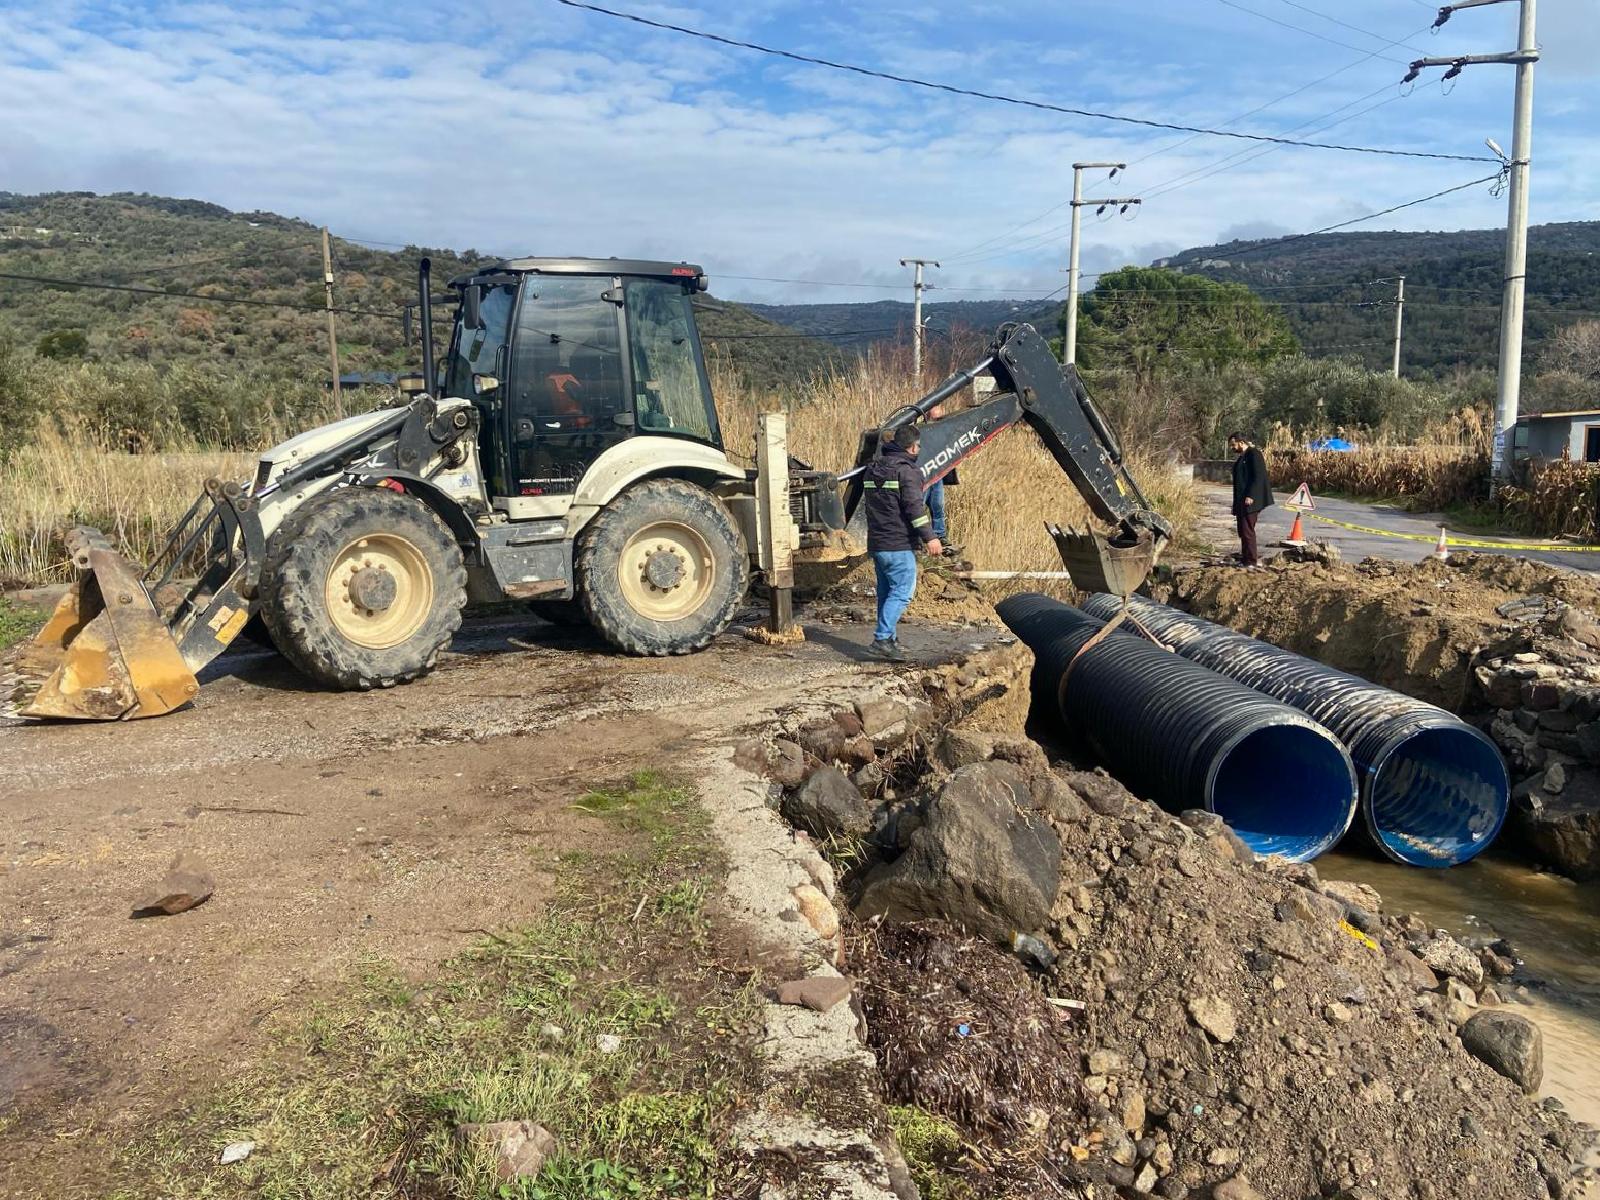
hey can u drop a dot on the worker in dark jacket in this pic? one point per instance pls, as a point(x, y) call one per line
point(898, 524)
point(1251, 494)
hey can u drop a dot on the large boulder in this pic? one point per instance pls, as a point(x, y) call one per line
point(828, 805)
point(1509, 1043)
point(1563, 831)
point(983, 859)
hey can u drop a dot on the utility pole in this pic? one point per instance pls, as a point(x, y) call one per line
point(916, 312)
point(1069, 344)
point(333, 333)
point(1516, 273)
point(1399, 316)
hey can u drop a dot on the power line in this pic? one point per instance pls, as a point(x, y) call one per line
point(1302, 29)
point(1387, 42)
point(1002, 99)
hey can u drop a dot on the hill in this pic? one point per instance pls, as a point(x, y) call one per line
point(1337, 289)
point(252, 292)
point(856, 326)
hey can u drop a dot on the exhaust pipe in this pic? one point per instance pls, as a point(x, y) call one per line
point(1186, 736)
point(1434, 790)
point(425, 314)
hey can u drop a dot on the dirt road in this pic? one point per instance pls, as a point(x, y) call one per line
point(339, 827)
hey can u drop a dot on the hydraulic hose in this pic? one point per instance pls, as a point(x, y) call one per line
point(1187, 737)
point(1434, 790)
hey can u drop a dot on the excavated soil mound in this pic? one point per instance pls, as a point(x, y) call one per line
point(1412, 627)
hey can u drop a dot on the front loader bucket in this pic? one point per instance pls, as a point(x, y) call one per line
point(1097, 564)
point(105, 651)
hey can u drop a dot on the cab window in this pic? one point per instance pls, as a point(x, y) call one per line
point(670, 393)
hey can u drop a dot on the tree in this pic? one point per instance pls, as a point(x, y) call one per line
point(1150, 320)
point(62, 343)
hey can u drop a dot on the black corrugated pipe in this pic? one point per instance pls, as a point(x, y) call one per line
point(1433, 788)
point(1187, 737)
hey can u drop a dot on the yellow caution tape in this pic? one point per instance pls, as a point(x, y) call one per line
point(1433, 539)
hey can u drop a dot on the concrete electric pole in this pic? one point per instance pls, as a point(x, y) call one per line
point(1399, 319)
point(1069, 345)
point(1516, 277)
point(916, 312)
point(333, 333)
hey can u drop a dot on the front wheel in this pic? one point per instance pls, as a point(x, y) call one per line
point(362, 588)
point(662, 569)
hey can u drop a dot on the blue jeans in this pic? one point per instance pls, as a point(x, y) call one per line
point(934, 497)
point(897, 583)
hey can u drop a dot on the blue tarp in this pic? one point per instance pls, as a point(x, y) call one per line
point(1330, 443)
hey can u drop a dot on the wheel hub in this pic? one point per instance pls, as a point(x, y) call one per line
point(663, 569)
point(373, 589)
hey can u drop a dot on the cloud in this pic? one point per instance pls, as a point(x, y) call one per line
point(532, 128)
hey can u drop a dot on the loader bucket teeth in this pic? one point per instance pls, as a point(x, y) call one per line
point(109, 654)
point(1098, 565)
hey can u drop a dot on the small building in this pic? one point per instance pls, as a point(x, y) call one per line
point(1546, 437)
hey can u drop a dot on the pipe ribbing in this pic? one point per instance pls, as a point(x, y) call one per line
point(1434, 790)
point(1187, 737)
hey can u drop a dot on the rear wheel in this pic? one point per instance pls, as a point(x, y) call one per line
point(662, 569)
point(362, 588)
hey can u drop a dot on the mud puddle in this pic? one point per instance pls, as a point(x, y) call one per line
point(1554, 924)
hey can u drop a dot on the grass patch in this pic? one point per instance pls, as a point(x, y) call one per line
point(932, 1147)
point(606, 1020)
point(17, 622)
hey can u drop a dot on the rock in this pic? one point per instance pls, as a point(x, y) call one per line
point(235, 1152)
point(1237, 1188)
point(1133, 1112)
point(787, 765)
point(962, 747)
point(1099, 791)
point(1508, 1043)
point(1563, 831)
point(859, 751)
point(823, 740)
point(1309, 908)
point(1105, 1062)
point(828, 805)
point(1145, 1180)
point(978, 860)
point(186, 884)
point(608, 1043)
point(552, 1032)
point(1353, 895)
point(880, 718)
point(1214, 1015)
point(519, 1147)
point(870, 778)
point(816, 992)
point(817, 911)
point(1338, 1014)
point(1449, 957)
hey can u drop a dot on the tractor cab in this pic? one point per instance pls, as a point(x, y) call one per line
point(567, 359)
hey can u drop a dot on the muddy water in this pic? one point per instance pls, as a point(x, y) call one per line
point(1553, 923)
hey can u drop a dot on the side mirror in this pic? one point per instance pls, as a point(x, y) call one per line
point(472, 306)
point(484, 384)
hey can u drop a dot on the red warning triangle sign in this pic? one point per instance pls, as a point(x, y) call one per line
point(1301, 501)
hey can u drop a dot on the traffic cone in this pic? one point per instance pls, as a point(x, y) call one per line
point(1297, 535)
point(1441, 550)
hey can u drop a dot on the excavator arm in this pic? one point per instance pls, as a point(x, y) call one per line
point(1032, 388)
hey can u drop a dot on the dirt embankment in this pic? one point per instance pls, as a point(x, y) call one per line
point(1415, 628)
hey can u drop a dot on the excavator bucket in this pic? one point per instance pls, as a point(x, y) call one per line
point(106, 654)
point(1099, 564)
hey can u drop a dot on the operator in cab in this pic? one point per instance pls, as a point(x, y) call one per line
point(898, 525)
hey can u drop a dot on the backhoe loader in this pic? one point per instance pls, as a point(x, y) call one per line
point(566, 453)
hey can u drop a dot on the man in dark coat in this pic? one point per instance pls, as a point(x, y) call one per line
point(1251, 494)
point(898, 524)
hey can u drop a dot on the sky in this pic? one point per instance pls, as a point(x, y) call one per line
point(529, 127)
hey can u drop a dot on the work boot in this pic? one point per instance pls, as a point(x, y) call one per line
point(887, 649)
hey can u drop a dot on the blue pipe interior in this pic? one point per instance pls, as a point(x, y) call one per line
point(1285, 790)
point(1438, 798)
